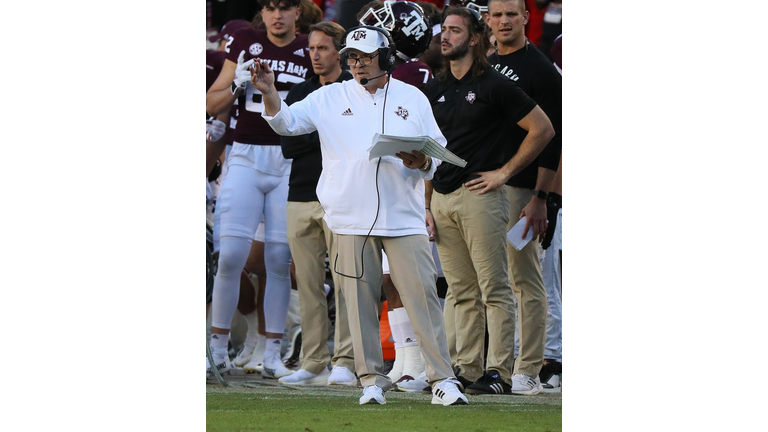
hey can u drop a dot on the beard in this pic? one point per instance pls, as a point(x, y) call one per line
point(458, 51)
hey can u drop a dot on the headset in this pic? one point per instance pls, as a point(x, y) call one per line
point(386, 55)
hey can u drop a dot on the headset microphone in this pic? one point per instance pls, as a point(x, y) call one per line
point(364, 81)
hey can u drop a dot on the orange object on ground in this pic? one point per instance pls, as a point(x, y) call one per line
point(385, 333)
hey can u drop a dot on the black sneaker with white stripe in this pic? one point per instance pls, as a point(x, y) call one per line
point(489, 383)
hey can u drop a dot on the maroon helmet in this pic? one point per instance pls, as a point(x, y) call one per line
point(406, 21)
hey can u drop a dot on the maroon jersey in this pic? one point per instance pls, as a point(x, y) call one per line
point(291, 65)
point(414, 73)
point(214, 61)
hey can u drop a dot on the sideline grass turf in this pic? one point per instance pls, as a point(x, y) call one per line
point(276, 408)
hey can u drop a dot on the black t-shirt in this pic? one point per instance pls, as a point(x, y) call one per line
point(304, 149)
point(472, 114)
point(540, 80)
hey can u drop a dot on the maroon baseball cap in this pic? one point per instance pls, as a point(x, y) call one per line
point(229, 28)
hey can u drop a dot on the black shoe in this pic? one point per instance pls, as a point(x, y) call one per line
point(463, 383)
point(489, 383)
point(550, 373)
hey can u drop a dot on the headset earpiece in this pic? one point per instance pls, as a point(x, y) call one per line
point(386, 55)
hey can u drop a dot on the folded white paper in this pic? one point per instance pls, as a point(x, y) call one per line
point(388, 145)
point(514, 234)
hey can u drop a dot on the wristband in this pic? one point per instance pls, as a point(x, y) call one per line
point(427, 164)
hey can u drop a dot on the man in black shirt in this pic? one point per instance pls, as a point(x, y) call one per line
point(521, 62)
point(472, 103)
point(309, 236)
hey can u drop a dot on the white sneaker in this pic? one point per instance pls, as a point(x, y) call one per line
point(274, 367)
point(447, 393)
point(256, 364)
point(304, 377)
point(342, 376)
point(244, 356)
point(221, 359)
point(525, 385)
point(410, 384)
point(373, 395)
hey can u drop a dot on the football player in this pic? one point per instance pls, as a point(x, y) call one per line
point(256, 185)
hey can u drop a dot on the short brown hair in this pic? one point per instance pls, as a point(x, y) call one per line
point(332, 29)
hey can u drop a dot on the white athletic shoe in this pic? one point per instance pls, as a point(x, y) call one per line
point(409, 384)
point(274, 367)
point(446, 393)
point(303, 377)
point(221, 359)
point(256, 364)
point(373, 395)
point(244, 356)
point(342, 376)
point(525, 385)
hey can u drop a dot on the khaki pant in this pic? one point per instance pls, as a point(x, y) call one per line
point(471, 241)
point(309, 238)
point(413, 272)
point(525, 274)
point(450, 325)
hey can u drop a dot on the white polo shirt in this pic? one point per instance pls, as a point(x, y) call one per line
point(346, 116)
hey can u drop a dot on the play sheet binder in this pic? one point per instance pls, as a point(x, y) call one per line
point(388, 145)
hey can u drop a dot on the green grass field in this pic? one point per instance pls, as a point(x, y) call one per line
point(264, 406)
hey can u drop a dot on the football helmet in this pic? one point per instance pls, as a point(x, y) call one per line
point(478, 5)
point(406, 21)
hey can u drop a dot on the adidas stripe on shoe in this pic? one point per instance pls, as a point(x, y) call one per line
point(447, 393)
point(525, 385)
point(489, 383)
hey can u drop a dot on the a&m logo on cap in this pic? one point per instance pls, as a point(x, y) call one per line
point(358, 34)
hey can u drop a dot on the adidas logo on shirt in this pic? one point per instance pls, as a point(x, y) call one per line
point(442, 99)
point(347, 112)
point(299, 52)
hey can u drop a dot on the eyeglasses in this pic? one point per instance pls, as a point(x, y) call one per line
point(363, 61)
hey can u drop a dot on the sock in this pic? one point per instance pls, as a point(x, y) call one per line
point(397, 338)
point(251, 336)
point(261, 341)
point(406, 331)
point(414, 362)
point(272, 347)
point(219, 342)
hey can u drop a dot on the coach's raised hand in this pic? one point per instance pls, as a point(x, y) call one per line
point(263, 78)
